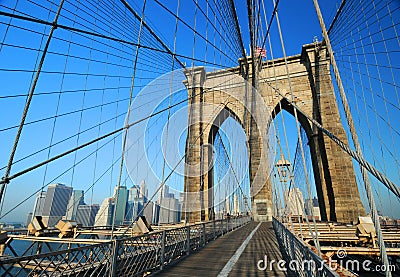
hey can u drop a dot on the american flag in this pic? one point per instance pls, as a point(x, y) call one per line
point(261, 51)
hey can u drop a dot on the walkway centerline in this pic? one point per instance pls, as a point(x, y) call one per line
point(231, 263)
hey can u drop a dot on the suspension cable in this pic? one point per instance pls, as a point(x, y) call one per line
point(353, 132)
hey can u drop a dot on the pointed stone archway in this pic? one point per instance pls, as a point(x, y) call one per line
point(215, 96)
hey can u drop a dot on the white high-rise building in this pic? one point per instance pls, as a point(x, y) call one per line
point(228, 205)
point(86, 214)
point(39, 204)
point(132, 207)
point(148, 211)
point(132, 210)
point(312, 208)
point(105, 214)
point(75, 200)
point(28, 219)
point(169, 208)
point(55, 204)
point(294, 201)
point(236, 208)
point(143, 189)
point(133, 193)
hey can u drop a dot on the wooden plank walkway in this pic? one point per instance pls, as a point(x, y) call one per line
point(211, 260)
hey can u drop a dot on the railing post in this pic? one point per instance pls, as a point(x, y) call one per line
point(188, 241)
point(162, 258)
point(214, 229)
point(114, 258)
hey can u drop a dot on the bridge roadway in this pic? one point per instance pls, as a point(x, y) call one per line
point(222, 257)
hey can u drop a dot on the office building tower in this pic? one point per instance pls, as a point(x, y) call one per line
point(131, 213)
point(86, 214)
point(120, 204)
point(228, 205)
point(148, 211)
point(236, 208)
point(169, 210)
point(295, 202)
point(143, 189)
point(312, 208)
point(28, 219)
point(55, 204)
point(105, 214)
point(39, 204)
point(133, 193)
point(132, 206)
point(75, 200)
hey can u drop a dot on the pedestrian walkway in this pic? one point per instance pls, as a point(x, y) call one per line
point(235, 254)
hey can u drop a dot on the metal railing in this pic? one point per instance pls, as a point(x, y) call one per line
point(126, 256)
point(299, 257)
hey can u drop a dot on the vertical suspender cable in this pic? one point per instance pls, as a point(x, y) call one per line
point(297, 128)
point(168, 118)
point(251, 28)
point(356, 142)
point(28, 102)
point(239, 34)
point(127, 119)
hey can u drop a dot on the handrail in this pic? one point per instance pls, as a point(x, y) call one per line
point(123, 256)
point(295, 251)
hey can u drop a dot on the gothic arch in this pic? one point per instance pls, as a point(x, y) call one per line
point(313, 92)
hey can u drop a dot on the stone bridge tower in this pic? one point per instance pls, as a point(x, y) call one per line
point(215, 96)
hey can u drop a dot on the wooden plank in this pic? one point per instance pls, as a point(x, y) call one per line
point(361, 250)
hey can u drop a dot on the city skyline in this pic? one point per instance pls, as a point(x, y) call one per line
point(61, 202)
point(132, 203)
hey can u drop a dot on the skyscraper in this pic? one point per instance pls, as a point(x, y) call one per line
point(133, 193)
point(168, 207)
point(105, 214)
point(148, 211)
point(169, 210)
point(312, 208)
point(75, 200)
point(86, 214)
point(39, 204)
point(295, 202)
point(28, 219)
point(236, 208)
point(132, 208)
point(120, 204)
point(143, 189)
point(55, 204)
point(228, 205)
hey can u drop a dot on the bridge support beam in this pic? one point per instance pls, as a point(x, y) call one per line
point(193, 209)
point(207, 111)
point(338, 188)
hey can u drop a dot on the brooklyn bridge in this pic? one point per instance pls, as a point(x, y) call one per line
point(199, 137)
